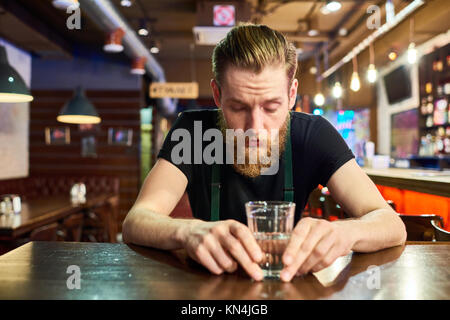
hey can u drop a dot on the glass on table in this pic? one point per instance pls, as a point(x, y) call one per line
point(271, 223)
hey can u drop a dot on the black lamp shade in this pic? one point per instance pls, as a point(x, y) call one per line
point(78, 110)
point(12, 86)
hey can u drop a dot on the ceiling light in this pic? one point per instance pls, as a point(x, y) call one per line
point(333, 6)
point(126, 3)
point(324, 10)
point(319, 99)
point(313, 33)
point(337, 90)
point(372, 73)
point(342, 32)
point(355, 84)
point(313, 70)
point(412, 53)
point(12, 86)
point(392, 55)
point(114, 41)
point(65, 4)
point(138, 66)
point(153, 47)
point(143, 30)
point(78, 110)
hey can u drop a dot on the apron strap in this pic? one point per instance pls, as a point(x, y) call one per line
point(215, 192)
point(288, 179)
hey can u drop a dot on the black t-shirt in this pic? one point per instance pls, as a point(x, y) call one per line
point(318, 150)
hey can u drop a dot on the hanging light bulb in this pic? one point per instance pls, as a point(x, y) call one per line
point(319, 99)
point(143, 29)
point(337, 90)
point(355, 84)
point(372, 73)
point(412, 53)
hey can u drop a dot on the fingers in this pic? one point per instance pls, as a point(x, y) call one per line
point(237, 250)
point(298, 236)
point(305, 248)
point(222, 258)
point(326, 261)
point(322, 250)
point(246, 237)
point(203, 256)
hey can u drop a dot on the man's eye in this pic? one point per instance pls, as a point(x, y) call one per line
point(237, 108)
point(271, 108)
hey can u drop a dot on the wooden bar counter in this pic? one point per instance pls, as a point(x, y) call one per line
point(38, 270)
point(426, 181)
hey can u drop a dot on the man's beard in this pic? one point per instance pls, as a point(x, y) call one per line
point(268, 155)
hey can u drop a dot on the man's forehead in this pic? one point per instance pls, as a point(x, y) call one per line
point(269, 78)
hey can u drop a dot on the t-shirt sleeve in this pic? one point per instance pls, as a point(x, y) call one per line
point(328, 151)
point(185, 123)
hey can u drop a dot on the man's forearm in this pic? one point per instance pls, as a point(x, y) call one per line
point(375, 230)
point(147, 228)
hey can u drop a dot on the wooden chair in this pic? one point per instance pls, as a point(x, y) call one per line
point(439, 233)
point(45, 233)
point(72, 227)
point(419, 227)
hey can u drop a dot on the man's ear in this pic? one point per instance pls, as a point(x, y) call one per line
point(293, 93)
point(216, 92)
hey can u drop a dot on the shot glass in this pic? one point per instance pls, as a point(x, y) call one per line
point(271, 223)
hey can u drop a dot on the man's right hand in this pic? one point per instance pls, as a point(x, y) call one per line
point(220, 245)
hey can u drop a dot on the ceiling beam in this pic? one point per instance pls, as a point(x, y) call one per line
point(36, 24)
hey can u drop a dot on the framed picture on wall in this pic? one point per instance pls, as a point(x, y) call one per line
point(57, 135)
point(120, 136)
point(89, 147)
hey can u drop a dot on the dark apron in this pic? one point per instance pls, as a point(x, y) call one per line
point(288, 180)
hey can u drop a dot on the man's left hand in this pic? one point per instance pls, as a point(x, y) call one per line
point(314, 245)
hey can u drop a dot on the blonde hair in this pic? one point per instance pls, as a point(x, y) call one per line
point(253, 47)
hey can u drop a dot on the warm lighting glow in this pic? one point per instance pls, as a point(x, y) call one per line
point(337, 90)
point(372, 73)
point(126, 3)
point(319, 99)
point(333, 6)
point(154, 49)
point(313, 33)
point(78, 119)
point(412, 53)
point(392, 55)
point(15, 97)
point(355, 84)
point(143, 32)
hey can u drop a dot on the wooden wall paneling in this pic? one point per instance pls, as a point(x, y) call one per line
point(118, 109)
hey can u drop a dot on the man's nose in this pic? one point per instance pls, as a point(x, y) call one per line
point(255, 120)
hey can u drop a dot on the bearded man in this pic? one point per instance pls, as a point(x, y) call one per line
point(254, 88)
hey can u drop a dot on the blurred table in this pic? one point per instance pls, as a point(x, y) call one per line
point(38, 270)
point(42, 211)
